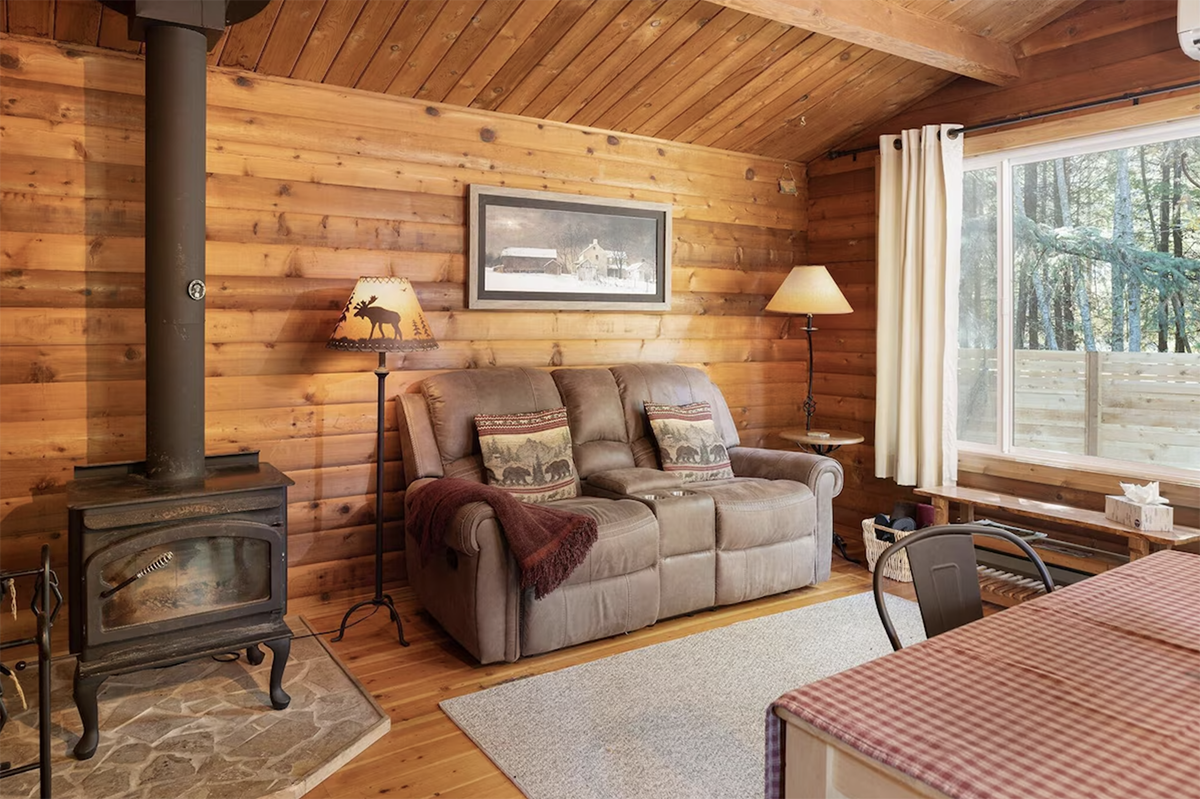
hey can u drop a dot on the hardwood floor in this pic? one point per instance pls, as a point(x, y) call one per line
point(425, 754)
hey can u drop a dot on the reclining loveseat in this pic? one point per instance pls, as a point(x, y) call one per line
point(666, 545)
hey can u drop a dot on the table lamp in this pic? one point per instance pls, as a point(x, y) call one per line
point(382, 315)
point(809, 290)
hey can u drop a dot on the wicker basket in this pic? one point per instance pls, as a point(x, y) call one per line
point(897, 566)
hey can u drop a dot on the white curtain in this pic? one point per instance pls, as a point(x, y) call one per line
point(920, 213)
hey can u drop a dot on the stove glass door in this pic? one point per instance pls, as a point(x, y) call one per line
point(172, 578)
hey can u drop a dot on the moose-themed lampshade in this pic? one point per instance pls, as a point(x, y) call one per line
point(382, 315)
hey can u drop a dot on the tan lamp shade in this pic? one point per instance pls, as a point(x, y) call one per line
point(809, 290)
point(382, 315)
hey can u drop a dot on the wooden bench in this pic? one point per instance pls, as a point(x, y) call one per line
point(1141, 542)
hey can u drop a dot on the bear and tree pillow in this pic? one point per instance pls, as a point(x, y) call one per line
point(530, 455)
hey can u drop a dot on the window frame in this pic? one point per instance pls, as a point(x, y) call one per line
point(1003, 160)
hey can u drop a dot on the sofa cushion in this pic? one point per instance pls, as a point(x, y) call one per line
point(753, 512)
point(627, 537)
point(456, 398)
point(597, 420)
point(687, 441)
point(673, 385)
point(529, 454)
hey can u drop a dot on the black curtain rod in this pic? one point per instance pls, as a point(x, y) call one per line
point(1134, 96)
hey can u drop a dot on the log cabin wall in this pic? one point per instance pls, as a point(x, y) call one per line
point(841, 235)
point(310, 186)
point(1101, 50)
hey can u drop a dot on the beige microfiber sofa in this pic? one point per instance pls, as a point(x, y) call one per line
point(664, 548)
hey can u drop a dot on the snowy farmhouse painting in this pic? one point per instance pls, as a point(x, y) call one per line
point(532, 249)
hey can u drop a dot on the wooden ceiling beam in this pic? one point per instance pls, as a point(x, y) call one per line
point(891, 28)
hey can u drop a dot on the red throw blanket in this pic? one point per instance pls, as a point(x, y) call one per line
point(548, 543)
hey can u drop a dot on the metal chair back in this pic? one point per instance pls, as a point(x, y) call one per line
point(942, 561)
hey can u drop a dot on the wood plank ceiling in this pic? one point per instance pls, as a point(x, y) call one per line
point(684, 70)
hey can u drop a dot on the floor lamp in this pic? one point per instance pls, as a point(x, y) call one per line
point(382, 315)
point(809, 290)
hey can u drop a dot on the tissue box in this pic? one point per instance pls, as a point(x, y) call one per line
point(1151, 518)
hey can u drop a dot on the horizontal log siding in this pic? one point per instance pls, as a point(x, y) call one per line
point(841, 235)
point(310, 186)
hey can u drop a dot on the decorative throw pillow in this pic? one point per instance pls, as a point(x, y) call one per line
point(688, 444)
point(529, 454)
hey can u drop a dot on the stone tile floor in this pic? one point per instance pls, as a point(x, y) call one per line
point(200, 730)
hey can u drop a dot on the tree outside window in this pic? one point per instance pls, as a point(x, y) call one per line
point(1091, 255)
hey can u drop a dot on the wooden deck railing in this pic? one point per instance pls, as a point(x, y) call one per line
point(1132, 406)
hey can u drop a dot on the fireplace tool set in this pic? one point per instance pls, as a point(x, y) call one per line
point(46, 602)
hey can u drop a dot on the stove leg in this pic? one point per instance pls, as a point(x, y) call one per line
point(280, 648)
point(89, 714)
point(254, 655)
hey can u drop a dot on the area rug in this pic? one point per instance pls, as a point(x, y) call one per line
point(201, 730)
point(682, 719)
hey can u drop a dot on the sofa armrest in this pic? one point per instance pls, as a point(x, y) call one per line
point(464, 527)
point(821, 474)
point(634, 480)
point(473, 589)
point(775, 464)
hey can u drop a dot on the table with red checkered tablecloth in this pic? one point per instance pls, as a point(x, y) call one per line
point(1091, 691)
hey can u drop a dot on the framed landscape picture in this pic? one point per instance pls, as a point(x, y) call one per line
point(540, 249)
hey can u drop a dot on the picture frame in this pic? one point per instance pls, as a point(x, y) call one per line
point(548, 250)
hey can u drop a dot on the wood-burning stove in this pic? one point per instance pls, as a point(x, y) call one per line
point(180, 556)
point(166, 572)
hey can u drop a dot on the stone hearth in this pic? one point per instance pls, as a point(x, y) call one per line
point(202, 730)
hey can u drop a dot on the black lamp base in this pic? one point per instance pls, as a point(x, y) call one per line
point(380, 599)
point(810, 407)
point(810, 404)
point(376, 601)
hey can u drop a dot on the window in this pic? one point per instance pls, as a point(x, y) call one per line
point(1079, 298)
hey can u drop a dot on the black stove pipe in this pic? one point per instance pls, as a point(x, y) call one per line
point(178, 35)
point(175, 173)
